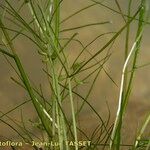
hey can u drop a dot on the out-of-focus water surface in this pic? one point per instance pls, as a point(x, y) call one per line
point(104, 90)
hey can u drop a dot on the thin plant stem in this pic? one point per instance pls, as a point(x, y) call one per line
point(115, 137)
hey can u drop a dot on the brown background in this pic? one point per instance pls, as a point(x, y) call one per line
point(104, 90)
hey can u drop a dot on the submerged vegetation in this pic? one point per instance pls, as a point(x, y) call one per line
point(64, 75)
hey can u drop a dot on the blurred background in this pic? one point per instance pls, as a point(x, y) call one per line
point(104, 91)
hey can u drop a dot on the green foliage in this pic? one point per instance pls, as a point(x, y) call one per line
point(43, 28)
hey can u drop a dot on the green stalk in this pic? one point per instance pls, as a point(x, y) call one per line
point(43, 115)
point(116, 133)
point(73, 112)
point(56, 106)
point(140, 28)
point(123, 97)
point(144, 126)
point(45, 31)
point(57, 110)
point(56, 19)
point(127, 47)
